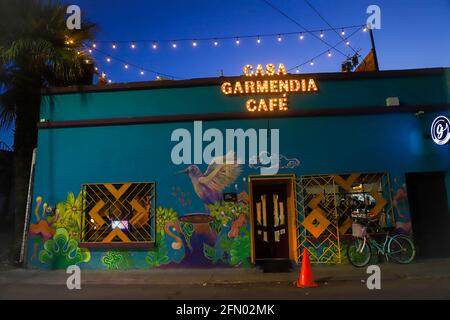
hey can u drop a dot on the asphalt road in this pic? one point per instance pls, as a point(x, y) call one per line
point(342, 290)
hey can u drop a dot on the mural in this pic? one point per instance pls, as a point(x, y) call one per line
point(217, 235)
point(56, 233)
point(401, 208)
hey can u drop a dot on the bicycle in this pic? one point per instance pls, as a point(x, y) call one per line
point(399, 248)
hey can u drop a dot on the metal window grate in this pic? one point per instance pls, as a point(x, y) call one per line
point(325, 203)
point(118, 212)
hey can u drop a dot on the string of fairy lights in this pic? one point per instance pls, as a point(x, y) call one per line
point(100, 47)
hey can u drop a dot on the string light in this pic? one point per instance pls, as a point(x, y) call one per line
point(329, 54)
point(297, 70)
point(142, 72)
point(365, 29)
point(343, 32)
point(258, 40)
point(126, 66)
point(174, 45)
point(108, 59)
point(279, 38)
point(133, 45)
point(322, 34)
point(347, 42)
point(302, 36)
point(238, 41)
point(311, 63)
point(216, 43)
point(114, 45)
point(87, 61)
point(154, 45)
point(94, 45)
point(109, 81)
point(96, 69)
point(194, 43)
point(90, 50)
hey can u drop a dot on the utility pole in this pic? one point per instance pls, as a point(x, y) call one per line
point(375, 56)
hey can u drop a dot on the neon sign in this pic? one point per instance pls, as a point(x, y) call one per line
point(440, 130)
point(256, 84)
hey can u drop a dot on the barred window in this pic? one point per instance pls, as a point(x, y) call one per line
point(118, 214)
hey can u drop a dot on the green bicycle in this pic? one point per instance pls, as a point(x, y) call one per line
point(399, 248)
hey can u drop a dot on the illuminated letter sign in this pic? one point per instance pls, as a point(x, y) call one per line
point(440, 130)
point(263, 80)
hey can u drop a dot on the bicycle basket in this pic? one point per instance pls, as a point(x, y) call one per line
point(358, 230)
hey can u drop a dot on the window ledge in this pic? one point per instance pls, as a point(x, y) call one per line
point(118, 245)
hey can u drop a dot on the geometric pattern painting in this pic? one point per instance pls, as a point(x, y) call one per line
point(118, 212)
point(325, 204)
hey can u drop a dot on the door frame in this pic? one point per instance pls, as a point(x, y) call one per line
point(289, 179)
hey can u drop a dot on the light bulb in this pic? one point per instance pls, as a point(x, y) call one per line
point(142, 72)
point(126, 66)
point(216, 43)
point(343, 32)
point(108, 59)
point(297, 70)
point(174, 45)
point(329, 54)
point(94, 45)
point(347, 43)
point(194, 43)
point(258, 40)
point(133, 45)
point(279, 38)
point(302, 36)
point(114, 46)
point(238, 41)
point(96, 69)
point(109, 81)
point(365, 29)
point(311, 63)
point(154, 46)
point(321, 34)
point(90, 51)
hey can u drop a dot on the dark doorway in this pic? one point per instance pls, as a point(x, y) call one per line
point(270, 220)
point(430, 214)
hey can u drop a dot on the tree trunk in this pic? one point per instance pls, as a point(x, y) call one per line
point(25, 140)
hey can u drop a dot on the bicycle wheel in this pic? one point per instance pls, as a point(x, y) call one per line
point(401, 249)
point(359, 252)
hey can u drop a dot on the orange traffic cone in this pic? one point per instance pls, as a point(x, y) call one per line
point(306, 279)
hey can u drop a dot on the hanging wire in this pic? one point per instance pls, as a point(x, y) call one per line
point(141, 69)
point(302, 27)
point(341, 35)
point(323, 53)
point(216, 38)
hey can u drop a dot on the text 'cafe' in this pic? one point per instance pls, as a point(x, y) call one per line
point(107, 188)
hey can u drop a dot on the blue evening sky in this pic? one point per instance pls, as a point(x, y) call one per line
point(414, 34)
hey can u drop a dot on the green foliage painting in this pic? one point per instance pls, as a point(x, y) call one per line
point(233, 244)
point(226, 212)
point(158, 257)
point(234, 251)
point(61, 251)
point(115, 260)
point(68, 215)
point(163, 216)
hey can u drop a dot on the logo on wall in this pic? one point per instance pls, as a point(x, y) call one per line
point(440, 130)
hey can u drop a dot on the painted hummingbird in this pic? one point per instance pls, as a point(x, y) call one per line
point(219, 174)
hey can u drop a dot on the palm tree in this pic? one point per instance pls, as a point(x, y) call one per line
point(37, 50)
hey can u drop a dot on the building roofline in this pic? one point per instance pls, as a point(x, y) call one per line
point(214, 81)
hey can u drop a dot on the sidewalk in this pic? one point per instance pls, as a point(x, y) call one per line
point(425, 269)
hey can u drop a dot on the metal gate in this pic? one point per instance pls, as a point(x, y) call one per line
point(325, 203)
